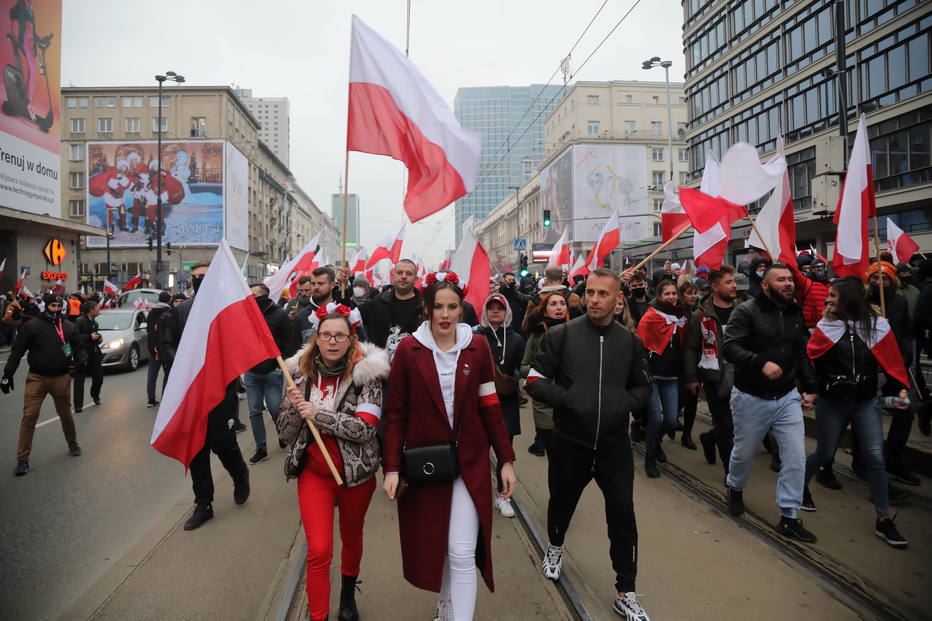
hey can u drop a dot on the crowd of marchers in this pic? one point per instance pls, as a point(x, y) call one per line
point(417, 382)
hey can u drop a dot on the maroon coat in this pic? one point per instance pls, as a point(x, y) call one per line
point(416, 416)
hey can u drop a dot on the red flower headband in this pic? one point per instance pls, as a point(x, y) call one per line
point(449, 277)
point(340, 309)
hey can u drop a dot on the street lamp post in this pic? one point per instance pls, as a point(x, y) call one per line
point(666, 64)
point(161, 79)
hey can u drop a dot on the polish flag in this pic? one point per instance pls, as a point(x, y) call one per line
point(21, 282)
point(225, 335)
point(394, 111)
point(389, 248)
point(111, 289)
point(282, 279)
point(855, 208)
point(880, 341)
point(133, 282)
point(673, 217)
point(560, 254)
point(608, 241)
point(471, 263)
point(578, 267)
point(59, 287)
point(656, 328)
point(2, 267)
point(445, 264)
point(27, 292)
point(710, 246)
point(358, 264)
point(776, 220)
point(900, 245)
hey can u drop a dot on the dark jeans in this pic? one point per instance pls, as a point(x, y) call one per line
point(96, 373)
point(570, 469)
point(221, 439)
point(153, 377)
point(723, 428)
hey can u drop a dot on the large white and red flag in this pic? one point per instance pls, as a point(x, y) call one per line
point(2, 267)
point(855, 208)
point(395, 111)
point(20, 282)
point(225, 335)
point(358, 263)
point(282, 279)
point(111, 289)
point(389, 248)
point(776, 221)
point(900, 245)
point(673, 218)
point(470, 262)
point(880, 341)
point(609, 239)
point(560, 253)
point(578, 267)
point(133, 282)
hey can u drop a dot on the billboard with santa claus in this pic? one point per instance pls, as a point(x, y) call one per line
point(123, 191)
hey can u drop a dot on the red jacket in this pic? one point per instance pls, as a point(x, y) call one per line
point(415, 415)
point(811, 295)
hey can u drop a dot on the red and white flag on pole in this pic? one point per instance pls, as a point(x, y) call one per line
point(880, 341)
point(447, 257)
point(389, 248)
point(900, 245)
point(20, 282)
point(225, 335)
point(471, 263)
point(560, 254)
point(133, 282)
point(395, 111)
point(673, 217)
point(111, 289)
point(855, 207)
point(282, 279)
point(776, 221)
point(2, 267)
point(27, 292)
point(358, 264)
point(578, 267)
point(59, 287)
point(609, 239)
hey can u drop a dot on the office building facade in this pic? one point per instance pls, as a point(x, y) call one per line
point(274, 116)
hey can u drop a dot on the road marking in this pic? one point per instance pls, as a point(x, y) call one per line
point(52, 420)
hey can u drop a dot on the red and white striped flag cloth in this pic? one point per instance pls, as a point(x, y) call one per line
point(609, 239)
point(471, 263)
point(59, 287)
point(776, 220)
point(133, 282)
point(900, 245)
point(358, 264)
point(855, 207)
point(27, 292)
point(560, 253)
point(881, 342)
point(225, 335)
point(578, 267)
point(673, 218)
point(445, 264)
point(110, 288)
point(20, 282)
point(2, 267)
point(282, 279)
point(389, 248)
point(395, 111)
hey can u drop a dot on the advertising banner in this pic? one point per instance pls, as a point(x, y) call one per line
point(610, 177)
point(122, 192)
point(236, 198)
point(30, 106)
point(556, 191)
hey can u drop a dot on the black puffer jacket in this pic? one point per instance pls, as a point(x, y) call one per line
point(85, 327)
point(280, 327)
point(593, 377)
point(46, 355)
point(759, 331)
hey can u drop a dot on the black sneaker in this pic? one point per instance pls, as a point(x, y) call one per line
point(708, 447)
point(258, 457)
point(239, 427)
point(201, 514)
point(536, 449)
point(97, 402)
point(78, 410)
point(735, 502)
point(903, 476)
point(826, 476)
point(22, 467)
point(151, 403)
point(73, 449)
point(807, 505)
point(886, 530)
point(792, 528)
point(650, 468)
point(241, 489)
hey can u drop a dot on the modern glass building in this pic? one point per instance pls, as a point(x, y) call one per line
point(755, 68)
point(512, 131)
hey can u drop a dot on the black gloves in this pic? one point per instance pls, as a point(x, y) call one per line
point(6, 384)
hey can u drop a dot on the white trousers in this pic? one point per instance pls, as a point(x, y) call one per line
point(460, 580)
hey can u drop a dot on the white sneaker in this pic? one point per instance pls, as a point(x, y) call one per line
point(629, 608)
point(444, 610)
point(505, 507)
point(553, 562)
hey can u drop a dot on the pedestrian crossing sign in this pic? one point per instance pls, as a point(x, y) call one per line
point(520, 245)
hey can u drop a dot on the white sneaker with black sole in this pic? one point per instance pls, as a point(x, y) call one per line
point(553, 562)
point(505, 507)
point(627, 606)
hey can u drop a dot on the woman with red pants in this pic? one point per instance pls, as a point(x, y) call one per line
point(442, 395)
point(338, 386)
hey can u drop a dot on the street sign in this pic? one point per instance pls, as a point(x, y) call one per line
point(520, 245)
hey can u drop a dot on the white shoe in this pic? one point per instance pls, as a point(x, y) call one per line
point(444, 610)
point(505, 507)
point(553, 562)
point(629, 608)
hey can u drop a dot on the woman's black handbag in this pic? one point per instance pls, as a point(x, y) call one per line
point(437, 463)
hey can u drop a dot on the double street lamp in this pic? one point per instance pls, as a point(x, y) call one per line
point(170, 76)
point(666, 64)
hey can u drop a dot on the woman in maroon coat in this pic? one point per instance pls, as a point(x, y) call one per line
point(442, 376)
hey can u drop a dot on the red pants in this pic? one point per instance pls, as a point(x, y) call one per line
point(317, 496)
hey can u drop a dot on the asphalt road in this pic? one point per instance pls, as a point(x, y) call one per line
point(66, 522)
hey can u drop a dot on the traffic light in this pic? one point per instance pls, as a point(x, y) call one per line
point(149, 242)
point(546, 217)
point(523, 271)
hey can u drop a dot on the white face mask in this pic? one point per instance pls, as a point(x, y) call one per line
point(359, 292)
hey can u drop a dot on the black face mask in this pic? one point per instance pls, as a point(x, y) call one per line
point(53, 315)
point(638, 291)
point(196, 282)
point(262, 301)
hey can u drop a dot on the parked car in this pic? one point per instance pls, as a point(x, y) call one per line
point(123, 337)
point(128, 299)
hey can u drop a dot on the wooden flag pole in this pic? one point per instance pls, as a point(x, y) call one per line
point(773, 259)
point(883, 302)
point(343, 262)
point(317, 439)
point(660, 249)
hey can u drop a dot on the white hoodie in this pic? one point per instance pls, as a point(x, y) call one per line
point(445, 361)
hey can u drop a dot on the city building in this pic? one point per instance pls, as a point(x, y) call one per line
point(274, 121)
point(509, 119)
point(351, 203)
point(755, 68)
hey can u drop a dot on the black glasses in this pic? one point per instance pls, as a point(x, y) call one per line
point(326, 337)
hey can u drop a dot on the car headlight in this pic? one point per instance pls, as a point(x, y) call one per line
point(114, 344)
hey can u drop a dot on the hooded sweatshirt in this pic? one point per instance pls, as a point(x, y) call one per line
point(445, 361)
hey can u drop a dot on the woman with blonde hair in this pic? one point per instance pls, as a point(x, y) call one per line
point(552, 311)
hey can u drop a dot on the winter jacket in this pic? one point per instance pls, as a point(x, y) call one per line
point(811, 295)
point(593, 377)
point(377, 317)
point(155, 326)
point(543, 413)
point(280, 327)
point(758, 332)
point(357, 439)
point(753, 280)
point(507, 347)
point(85, 327)
point(46, 354)
point(518, 302)
point(174, 328)
point(692, 351)
point(911, 294)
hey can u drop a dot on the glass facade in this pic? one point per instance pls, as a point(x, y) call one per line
point(512, 132)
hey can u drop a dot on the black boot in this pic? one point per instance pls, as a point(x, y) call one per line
point(650, 467)
point(348, 611)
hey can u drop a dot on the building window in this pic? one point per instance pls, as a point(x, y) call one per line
point(681, 127)
point(656, 128)
point(76, 208)
point(592, 99)
point(76, 180)
point(684, 178)
point(104, 102)
point(655, 99)
point(657, 154)
point(155, 125)
point(658, 204)
point(681, 100)
point(900, 151)
point(76, 102)
point(76, 152)
point(105, 126)
point(131, 102)
point(629, 98)
point(198, 126)
point(77, 126)
point(630, 127)
point(133, 125)
point(658, 178)
point(154, 101)
point(683, 155)
point(658, 229)
point(592, 128)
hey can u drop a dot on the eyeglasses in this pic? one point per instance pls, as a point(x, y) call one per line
point(326, 337)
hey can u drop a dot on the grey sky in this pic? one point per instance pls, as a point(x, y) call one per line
point(300, 50)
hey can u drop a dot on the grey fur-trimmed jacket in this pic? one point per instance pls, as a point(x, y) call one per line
point(357, 439)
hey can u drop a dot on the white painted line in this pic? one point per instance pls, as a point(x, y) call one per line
point(52, 420)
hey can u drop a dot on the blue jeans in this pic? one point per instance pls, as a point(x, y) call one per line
point(753, 417)
point(831, 419)
point(661, 411)
point(263, 389)
point(154, 367)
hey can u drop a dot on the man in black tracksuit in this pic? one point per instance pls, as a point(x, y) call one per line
point(221, 437)
point(89, 333)
point(593, 373)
